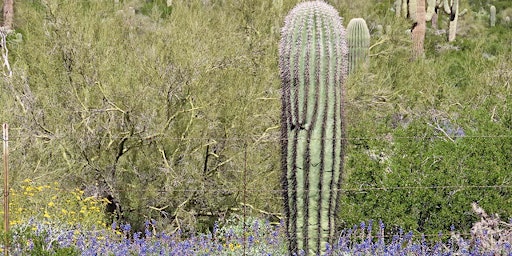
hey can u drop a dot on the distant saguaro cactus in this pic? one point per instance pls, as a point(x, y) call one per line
point(452, 8)
point(358, 40)
point(431, 9)
point(493, 15)
point(313, 67)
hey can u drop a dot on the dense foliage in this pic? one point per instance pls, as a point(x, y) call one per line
point(173, 112)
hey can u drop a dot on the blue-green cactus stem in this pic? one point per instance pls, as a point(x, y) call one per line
point(313, 66)
point(358, 40)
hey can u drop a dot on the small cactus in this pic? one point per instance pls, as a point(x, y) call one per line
point(313, 68)
point(358, 40)
point(493, 15)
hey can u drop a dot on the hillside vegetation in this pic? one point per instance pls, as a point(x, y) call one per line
point(173, 112)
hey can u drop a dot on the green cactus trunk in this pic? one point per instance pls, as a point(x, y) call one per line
point(313, 65)
point(358, 40)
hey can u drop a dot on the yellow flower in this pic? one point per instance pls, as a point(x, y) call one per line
point(51, 204)
point(64, 211)
point(88, 198)
point(46, 215)
point(27, 180)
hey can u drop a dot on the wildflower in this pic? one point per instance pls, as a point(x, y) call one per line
point(126, 227)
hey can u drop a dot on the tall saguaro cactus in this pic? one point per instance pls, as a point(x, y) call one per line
point(313, 66)
point(358, 40)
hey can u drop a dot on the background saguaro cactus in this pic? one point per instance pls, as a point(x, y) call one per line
point(493, 15)
point(452, 8)
point(431, 9)
point(358, 40)
point(412, 8)
point(313, 65)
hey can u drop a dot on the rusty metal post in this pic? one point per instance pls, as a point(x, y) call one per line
point(245, 198)
point(6, 187)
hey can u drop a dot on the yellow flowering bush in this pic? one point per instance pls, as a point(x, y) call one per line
point(50, 204)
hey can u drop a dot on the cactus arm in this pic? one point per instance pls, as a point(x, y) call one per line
point(431, 9)
point(447, 7)
point(454, 16)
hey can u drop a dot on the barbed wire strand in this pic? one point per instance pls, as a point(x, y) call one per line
point(280, 191)
point(383, 137)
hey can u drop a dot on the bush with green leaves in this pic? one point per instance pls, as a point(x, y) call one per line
point(166, 113)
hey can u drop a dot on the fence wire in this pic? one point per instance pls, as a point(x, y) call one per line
point(362, 233)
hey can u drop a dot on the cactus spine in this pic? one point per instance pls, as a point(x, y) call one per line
point(313, 68)
point(358, 40)
point(493, 15)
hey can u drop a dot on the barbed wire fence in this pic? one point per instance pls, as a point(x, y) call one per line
point(245, 190)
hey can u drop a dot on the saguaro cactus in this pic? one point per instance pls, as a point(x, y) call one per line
point(451, 7)
point(431, 9)
point(358, 40)
point(493, 15)
point(313, 66)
